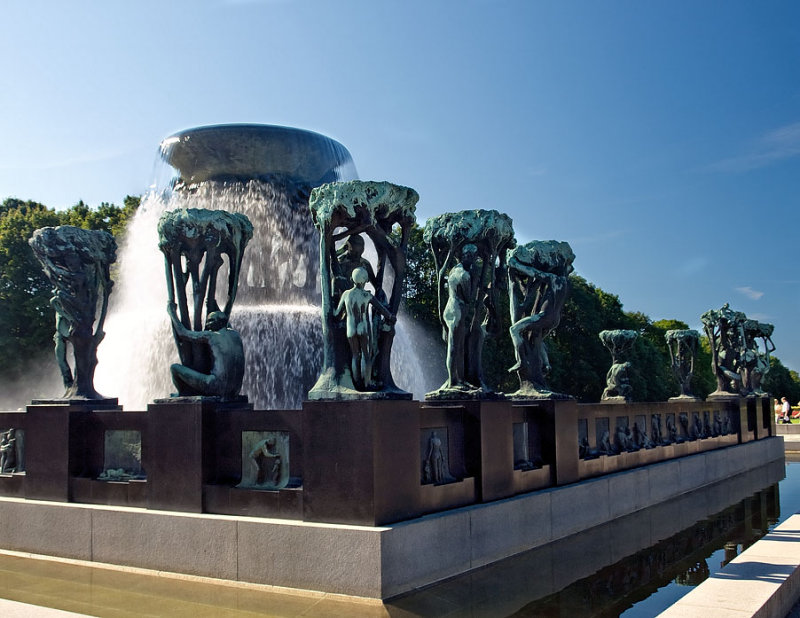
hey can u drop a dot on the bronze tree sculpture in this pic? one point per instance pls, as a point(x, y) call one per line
point(469, 252)
point(538, 281)
point(77, 263)
point(357, 349)
point(194, 243)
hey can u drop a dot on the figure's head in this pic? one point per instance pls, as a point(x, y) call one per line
point(360, 276)
point(355, 245)
point(468, 253)
point(216, 320)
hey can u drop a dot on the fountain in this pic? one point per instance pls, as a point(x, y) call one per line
point(332, 496)
point(266, 173)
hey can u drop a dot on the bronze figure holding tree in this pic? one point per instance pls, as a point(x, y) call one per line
point(77, 263)
point(357, 349)
point(538, 282)
point(194, 243)
point(469, 252)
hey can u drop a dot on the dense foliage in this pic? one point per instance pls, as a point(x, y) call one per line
point(26, 318)
point(579, 360)
point(782, 382)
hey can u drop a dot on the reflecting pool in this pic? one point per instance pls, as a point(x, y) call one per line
point(634, 566)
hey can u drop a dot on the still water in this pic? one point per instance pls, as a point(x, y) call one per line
point(635, 566)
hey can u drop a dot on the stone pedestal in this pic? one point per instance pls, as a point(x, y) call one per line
point(361, 464)
point(54, 446)
point(226, 459)
point(492, 447)
point(766, 417)
point(457, 426)
point(747, 421)
point(47, 457)
point(174, 461)
point(563, 415)
point(557, 424)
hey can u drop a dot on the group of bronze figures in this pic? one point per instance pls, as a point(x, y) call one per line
point(737, 357)
point(626, 439)
point(475, 256)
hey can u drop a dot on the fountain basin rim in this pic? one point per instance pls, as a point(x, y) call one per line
point(256, 151)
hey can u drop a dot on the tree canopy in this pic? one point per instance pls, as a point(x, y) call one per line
point(781, 381)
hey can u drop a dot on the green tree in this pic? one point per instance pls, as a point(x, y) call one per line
point(579, 359)
point(781, 381)
point(652, 377)
point(106, 216)
point(420, 284)
point(703, 382)
point(26, 318)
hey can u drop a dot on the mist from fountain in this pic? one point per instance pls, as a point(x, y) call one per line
point(276, 310)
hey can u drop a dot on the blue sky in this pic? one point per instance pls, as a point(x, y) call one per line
point(661, 139)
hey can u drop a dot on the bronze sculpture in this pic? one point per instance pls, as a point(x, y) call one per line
point(77, 262)
point(618, 342)
point(194, 243)
point(356, 364)
point(469, 250)
point(538, 281)
point(682, 345)
point(725, 331)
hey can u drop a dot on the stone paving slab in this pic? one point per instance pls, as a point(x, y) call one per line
point(12, 609)
point(764, 580)
point(791, 443)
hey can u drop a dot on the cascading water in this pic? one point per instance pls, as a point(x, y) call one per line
point(267, 174)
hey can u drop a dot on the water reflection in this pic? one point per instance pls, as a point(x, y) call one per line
point(682, 558)
point(622, 565)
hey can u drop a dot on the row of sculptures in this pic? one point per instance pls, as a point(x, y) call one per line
point(475, 255)
point(629, 439)
point(740, 356)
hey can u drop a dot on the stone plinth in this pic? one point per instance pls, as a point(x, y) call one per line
point(178, 431)
point(53, 455)
point(360, 461)
point(175, 465)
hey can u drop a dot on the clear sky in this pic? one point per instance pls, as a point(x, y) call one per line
point(661, 139)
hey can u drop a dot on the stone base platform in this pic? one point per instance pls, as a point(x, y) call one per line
point(375, 562)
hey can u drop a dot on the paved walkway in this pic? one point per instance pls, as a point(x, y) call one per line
point(12, 609)
point(791, 443)
point(762, 581)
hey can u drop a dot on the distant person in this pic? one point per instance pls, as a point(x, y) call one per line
point(778, 410)
point(787, 410)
